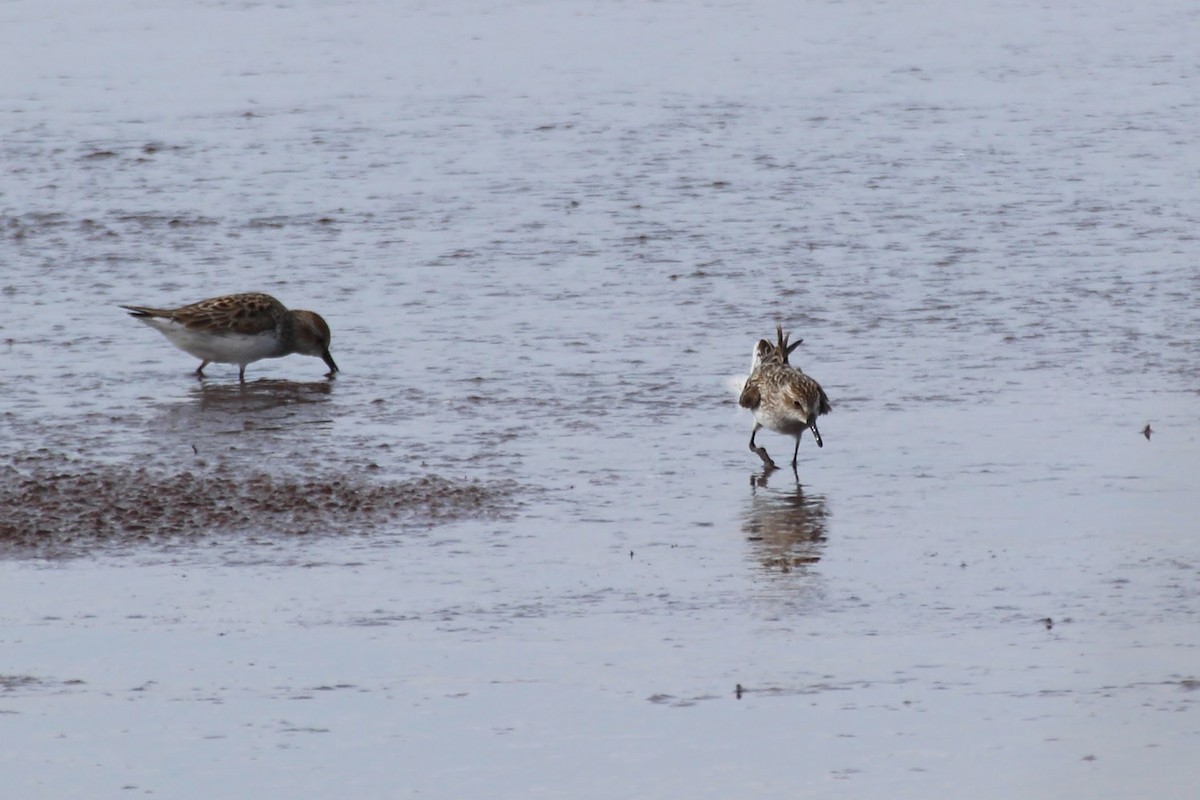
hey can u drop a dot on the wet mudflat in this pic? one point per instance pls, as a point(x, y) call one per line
point(519, 547)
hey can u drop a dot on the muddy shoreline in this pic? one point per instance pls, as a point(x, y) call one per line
point(56, 507)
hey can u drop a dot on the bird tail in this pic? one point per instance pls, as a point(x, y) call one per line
point(143, 311)
point(784, 348)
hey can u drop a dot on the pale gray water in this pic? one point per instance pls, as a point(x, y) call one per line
point(546, 236)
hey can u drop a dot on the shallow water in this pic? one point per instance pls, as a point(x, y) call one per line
point(546, 237)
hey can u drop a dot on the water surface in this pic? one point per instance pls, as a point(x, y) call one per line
point(546, 237)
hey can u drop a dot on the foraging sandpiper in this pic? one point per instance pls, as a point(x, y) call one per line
point(240, 329)
point(782, 397)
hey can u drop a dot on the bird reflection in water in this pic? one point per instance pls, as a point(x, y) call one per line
point(261, 395)
point(786, 526)
point(215, 410)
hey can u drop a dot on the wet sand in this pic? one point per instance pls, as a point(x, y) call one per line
point(519, 547)
point(56, 508)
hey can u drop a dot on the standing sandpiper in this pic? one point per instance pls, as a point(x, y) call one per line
point(782, 397)
point(240, 329)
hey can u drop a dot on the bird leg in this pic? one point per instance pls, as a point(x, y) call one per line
point(761, 452)
point(241, 373)
point(796, 452)
point(200, 370)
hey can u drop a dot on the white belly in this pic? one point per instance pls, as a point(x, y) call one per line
point(220, 348)
point(783, 420)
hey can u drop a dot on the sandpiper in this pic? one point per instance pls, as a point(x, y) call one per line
point(782, 397)
point(240, 329)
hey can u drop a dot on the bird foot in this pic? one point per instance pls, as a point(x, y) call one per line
point(761, 452)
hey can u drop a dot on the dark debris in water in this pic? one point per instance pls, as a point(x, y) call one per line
point(28, 684)
point(60, 508)
point(9, 683)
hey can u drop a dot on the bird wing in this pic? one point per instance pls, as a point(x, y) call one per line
point(246, 314)
point(824, 407)
point(751, 396)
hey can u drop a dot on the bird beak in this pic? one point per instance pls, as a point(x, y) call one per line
point(328, 359)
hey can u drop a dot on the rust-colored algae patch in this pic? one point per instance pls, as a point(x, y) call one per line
point(55, 507)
